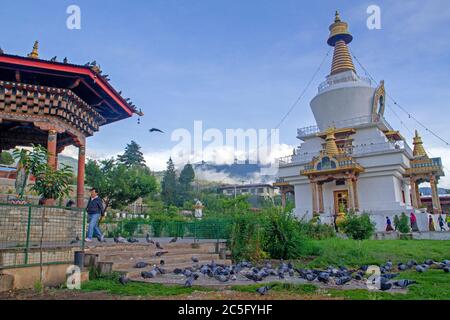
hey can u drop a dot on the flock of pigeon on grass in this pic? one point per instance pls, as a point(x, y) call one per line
point(339, 276)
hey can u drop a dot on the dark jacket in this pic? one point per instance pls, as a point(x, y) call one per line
point(95, 206)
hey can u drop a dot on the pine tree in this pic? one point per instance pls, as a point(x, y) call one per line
point(169, 184)
point(185, 180)
point(132, 156)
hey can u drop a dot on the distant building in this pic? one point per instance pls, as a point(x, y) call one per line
point(261, 190)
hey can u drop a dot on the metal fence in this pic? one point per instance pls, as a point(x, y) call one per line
point(196, 229)
point(31, 235)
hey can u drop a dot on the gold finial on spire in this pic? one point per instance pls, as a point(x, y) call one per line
point(331, 148)
point(337, 18)
point(419, 150)
point(339, 38)
point(35, 53)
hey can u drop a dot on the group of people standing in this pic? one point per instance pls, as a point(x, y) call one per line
point(415, 228)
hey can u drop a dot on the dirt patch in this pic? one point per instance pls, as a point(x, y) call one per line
point(55, 294)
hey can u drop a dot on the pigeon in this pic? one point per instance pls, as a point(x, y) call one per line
point(264, 290)
point(65, 60)
point(160, 270)
point(311, 276)
point(384, 286)
point(402, 267)
point(158, 246)
point(141, 265)
point(221, 278)
point(155, 130)
point(148, 274)
point(429, 262)
point(160, 253)
point(390, 275)
point(148, 239)
point(421, 269)
point(280, 274)
point(291, 272)
point(132, 240)
point(119, 239)
point(173, 240)
point(446, 262)
point(364, 268)
point(1, 51)
point(74, 241)
point(189, 282)
point(323, 277)
point(404, 283)
point(194, 259)
point(177, 271)
point(411, 263)
point(53, 59)
point(446, 269)
point(343, 280)
point(253, 277)
point(162, 262)
point(124, 279)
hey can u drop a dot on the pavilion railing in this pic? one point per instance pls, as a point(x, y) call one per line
point(33, 235)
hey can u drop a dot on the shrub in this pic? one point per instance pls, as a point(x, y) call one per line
point(246, 238)
point(318, 231)
point(358, 227)
point(403, 224)
point(283, 236)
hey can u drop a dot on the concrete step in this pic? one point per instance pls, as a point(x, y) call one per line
point(129, 263)
point(143, 246)
point(134, 273)
point(149, 254)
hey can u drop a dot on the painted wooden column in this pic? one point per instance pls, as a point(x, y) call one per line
point(435, 195)
point(414, 193)
point(80, 176)
point(351, 197)
point(51, 148)
point(320, 196)
point(356, 195)
point(314, 196)
point(419, 201)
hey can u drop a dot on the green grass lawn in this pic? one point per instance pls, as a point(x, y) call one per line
point(353, 253)
point(112, 286)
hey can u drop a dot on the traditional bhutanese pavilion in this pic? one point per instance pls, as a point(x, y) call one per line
point(55, 104)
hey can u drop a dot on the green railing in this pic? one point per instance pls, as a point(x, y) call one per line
point(33, 235)
point(213, 229)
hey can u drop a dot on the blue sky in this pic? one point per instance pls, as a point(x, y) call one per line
point(238, 64)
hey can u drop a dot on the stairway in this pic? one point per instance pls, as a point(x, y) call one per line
point(123, 257)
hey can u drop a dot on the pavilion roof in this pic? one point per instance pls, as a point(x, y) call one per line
point(84, 80)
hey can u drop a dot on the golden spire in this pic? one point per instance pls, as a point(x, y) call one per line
point(35, 53)
point(339, 38)
point(331, 148)
point(419, 150)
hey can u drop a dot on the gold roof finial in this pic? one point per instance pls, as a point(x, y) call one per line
point(35, 53)
point(339, 38)
point(331, 148)
point(337, 18)
point(419, 150)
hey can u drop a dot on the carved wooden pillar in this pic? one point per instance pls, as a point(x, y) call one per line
point(320, 196)
point(80, 177)
point(51, 147)
point(419, 201)
point(351, 194)
point(356, 195)
point(413, 193)
point(435, 195)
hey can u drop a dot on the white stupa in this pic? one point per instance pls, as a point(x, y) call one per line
point(353, 158)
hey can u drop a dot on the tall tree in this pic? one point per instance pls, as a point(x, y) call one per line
point(132, 156)
point(169, 184)
point(185, 180)
point(118, 184)
point(6, 158)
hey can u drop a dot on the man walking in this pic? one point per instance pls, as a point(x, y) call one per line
point(95, 210)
